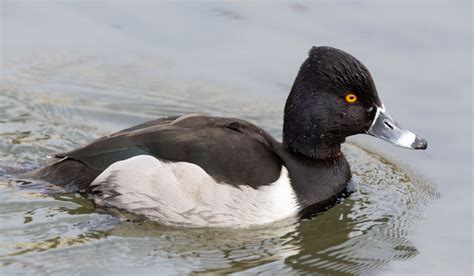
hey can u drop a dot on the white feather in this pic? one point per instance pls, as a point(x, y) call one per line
point(183, 193)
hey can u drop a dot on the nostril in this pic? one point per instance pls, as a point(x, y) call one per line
point(388, 124)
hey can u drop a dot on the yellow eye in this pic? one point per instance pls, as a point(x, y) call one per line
point(351, 98)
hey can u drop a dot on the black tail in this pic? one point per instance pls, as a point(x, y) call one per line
point(69, 174)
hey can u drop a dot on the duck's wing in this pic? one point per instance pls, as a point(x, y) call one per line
point(232, 151)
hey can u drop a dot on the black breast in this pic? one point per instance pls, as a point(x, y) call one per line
point(317, 183)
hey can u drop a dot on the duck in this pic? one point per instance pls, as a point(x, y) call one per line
point(203, 171)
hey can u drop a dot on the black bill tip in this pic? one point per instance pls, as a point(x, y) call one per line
point(419, 143)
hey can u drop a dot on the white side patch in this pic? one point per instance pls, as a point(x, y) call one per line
point(183, 193)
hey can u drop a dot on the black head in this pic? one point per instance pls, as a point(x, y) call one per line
point(333, 96)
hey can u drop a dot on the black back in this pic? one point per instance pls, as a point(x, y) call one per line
point(232, 151)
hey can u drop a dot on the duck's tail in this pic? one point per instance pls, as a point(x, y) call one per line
point(67, 175)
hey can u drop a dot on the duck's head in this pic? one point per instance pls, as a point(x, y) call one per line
point(333, 97)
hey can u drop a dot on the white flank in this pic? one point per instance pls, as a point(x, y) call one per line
point(183, 193)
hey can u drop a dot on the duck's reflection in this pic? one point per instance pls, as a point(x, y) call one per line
point(332, 242)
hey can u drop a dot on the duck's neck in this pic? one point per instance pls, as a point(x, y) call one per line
point(310, 143)
point(318, 150)
point(317, 183)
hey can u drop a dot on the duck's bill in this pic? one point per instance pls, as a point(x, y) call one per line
point(385, 127)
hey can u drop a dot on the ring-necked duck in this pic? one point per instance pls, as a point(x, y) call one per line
point(198, 170)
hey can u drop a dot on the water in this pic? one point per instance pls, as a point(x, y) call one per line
point(72, 72)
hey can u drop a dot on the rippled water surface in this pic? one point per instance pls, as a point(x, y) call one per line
point(74, 72)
